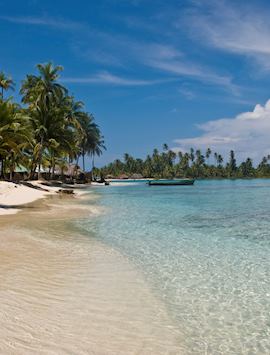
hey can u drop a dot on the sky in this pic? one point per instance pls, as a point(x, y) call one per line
point(182, 72)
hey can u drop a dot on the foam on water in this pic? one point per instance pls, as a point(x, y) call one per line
point(205, 252)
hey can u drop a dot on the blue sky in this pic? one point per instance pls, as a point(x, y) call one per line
point(184, 72)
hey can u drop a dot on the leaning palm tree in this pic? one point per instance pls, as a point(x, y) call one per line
point(6, 83)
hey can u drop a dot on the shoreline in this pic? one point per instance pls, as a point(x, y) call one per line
point(62, 291)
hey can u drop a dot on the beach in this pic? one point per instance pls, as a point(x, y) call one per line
point(131, 269)
point(63, 292)
point(15, 195)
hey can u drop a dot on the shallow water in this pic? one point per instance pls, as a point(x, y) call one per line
point(204, 251)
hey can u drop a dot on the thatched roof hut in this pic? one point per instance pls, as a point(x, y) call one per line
point(123, 176)
point(136, 176)
point(69, 170)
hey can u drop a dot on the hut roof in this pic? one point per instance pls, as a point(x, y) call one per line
point(136, 176)
point(20, 169)
point(72, 169)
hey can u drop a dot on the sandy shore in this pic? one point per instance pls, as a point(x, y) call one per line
point(62, 292)
point(13, 196)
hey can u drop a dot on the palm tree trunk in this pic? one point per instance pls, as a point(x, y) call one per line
point(93, 166)
point(52, 166)
point(32, 171)
point(77, 160)
point(53, 170)
point(11, 167)
point(77, 163)
point(2, 167)
point(40, 158)
point(83, 155)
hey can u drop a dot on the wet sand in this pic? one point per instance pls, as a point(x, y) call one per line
point(62, 292)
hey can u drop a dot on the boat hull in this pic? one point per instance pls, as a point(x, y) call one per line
point(182, 182)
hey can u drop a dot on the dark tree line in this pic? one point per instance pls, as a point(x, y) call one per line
point(195, 164)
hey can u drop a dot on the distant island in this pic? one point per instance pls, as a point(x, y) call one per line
point(193, 164)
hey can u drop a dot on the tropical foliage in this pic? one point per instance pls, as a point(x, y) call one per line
point(195, 164)
point(49, 129)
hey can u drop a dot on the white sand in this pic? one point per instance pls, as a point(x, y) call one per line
point(15, 195)
point(64, 293)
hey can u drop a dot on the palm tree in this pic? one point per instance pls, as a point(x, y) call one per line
point(44, 96)
point(199, 157)
point(216, 157)
point(97, 148)
point(92, 142)
point(232, 167)
point(15, 135)
point(219, 160)
point(50, 129)
point(6, 83)
point(191, 155)
point(165, 147)
point(207, 154)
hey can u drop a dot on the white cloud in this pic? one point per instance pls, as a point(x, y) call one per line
point(171, 61)
point(196, 72)
point(248, 134)
point(58, 23)
point(164, 58)
point(188, 94)
point(123, 51)
point(242, 29)
point(108, 78)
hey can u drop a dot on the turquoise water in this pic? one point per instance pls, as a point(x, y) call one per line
point(205, 252)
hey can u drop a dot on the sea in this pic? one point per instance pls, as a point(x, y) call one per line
point(203, 250)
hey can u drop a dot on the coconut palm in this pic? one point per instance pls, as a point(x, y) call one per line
point(15, 135)
point(165, 147)
point(216, 157)
point(97, 146)
point(44, 96)
point(219, 160)
point(191, 155)
point(6, 83)
point(92, 142)
point(207, 154)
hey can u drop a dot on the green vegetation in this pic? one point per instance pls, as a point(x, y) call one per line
point(48, 130)
point(194, 164)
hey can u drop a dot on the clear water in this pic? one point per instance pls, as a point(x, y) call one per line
point(205, 252)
